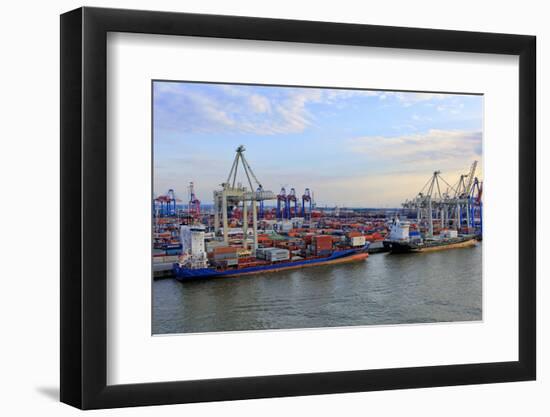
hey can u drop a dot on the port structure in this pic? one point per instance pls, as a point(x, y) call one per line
point(457, 206)
point(306, 197)
point(476, 206)
point(285, 203)
point(291, 198)
point(194, 204)
point(261, 203)
point(233, 194)
point(282, 204)
point(165, 205)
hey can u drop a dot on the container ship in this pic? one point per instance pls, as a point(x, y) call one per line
point(402, 240)
point(221, 260)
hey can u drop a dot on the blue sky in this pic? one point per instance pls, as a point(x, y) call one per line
point(351, 147)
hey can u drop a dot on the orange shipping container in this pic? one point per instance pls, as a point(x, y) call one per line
point(323, 244)
point(225, 249)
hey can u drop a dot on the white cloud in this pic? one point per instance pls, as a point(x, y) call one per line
point(407, 99)
point(335, 94)
point(418, 118)
point(259, 103)
point(212, 110)
point(453, 107)
point(446, 148)
point(185, 108)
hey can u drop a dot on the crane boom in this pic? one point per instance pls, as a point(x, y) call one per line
point(249, 170)
point(471, 176)
point(232, 177)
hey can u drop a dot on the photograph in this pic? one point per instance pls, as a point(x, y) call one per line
point(300, 210)
point(303, 207)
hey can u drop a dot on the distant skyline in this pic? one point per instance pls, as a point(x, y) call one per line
point(352, 148)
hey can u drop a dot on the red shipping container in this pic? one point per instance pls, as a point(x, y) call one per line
point(324, 245)
point(225, 249)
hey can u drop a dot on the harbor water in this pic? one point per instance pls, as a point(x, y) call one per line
point(442, 286)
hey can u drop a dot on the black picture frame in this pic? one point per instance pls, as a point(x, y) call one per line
point(84, 207)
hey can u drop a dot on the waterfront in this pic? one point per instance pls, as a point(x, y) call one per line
point(443, 286)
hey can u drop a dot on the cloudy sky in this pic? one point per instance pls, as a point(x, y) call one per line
point(352, 148)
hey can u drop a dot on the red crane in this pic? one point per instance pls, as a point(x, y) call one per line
point(194, 208)
point(165, 205)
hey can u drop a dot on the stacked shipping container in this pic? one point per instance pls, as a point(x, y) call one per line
point(322, 245)
point(273, 254)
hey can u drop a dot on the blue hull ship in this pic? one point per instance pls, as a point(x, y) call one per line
point(339, 256)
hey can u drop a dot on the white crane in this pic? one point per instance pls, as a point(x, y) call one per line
point(233, 194)
point(446, 206)
point(471, 177)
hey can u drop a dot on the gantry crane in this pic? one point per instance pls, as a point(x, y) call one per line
point(462, 208)
point(194, 205)
point(165, 205)
point(282, 204)
point(450, 207)
point(306, 198)
point(261, 203)
point(291, 197)
point(233, 194)
point(476, 205)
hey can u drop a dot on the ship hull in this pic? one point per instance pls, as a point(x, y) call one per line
point(407, 247)
point(338, 257)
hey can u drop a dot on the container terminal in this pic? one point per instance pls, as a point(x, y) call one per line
point(250, 230)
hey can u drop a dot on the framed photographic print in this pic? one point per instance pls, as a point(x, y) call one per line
point(259, 207)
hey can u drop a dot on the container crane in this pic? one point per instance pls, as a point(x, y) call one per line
point(464, 204)
point(233, 194)
point(430, 203)
point(306, 198)
point(171, 195)
point(165, 205)
point(261, 205)
point(476, 208)
point(281, 200)
point(458, 202)
point(194, 205)
point(158, 206)
point(476, 191)
point(471, 177)
point(291, 197)
point(470, 204)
